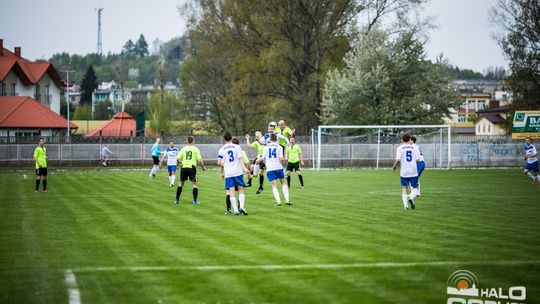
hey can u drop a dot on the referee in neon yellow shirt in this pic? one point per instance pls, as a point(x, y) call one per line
point(40, 156)
point(295, 159)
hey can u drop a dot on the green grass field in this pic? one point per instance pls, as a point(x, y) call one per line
point(346, 239)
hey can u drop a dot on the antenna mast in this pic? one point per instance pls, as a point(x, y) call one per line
point(99, 47)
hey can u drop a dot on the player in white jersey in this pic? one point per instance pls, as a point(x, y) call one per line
point(407, 156)
point(531, 163)
point(421, 165)
point(272, 130)
point(231, 160)
point(171, 153)
point(272, 156)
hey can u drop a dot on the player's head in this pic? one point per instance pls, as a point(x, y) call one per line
point(272, 126)
point(281, 124)
point(190, 139)
point(292, 140)
point(406, 137)
point(227, 136)
point(528, 140)
point(158, 140)
point(273, 137)
point(258, 134)
point(413, 139)
point(171, 143)
point(235, 141)
point(41, 141)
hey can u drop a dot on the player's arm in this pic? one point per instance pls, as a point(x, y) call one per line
point(35, 158)
point(398, 157)
point(200, 160)
point(241, 160)
point(301, 158)
point(279, 136)
point(163, 157)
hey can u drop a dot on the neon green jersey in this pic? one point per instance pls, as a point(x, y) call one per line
point(287, 132)
point(293, 153)
point(246, 158)
point(41, 155)
point(189, 156)
point(259, 146)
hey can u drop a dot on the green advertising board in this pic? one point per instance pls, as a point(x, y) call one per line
point(526, 123)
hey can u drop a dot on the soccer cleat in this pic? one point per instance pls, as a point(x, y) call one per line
point(172, 185)
point(196, 203)
point(228, 212)
point(176, 202)
point(242, 211)
point(237, 213)
point(259, 191)
point(153, 176)
point(411, 202)
point(45, 190)
point(36, 191)
point(248, 185)
point(406, 208)
point(278, 204)
point(288, 203)
point(105, 164)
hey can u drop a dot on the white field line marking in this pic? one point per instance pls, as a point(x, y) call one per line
point(304, 266)
point(73, 291)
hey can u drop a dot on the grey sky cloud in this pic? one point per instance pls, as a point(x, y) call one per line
point(43, 28)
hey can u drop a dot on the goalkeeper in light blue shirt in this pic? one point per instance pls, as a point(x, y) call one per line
point(156, 153)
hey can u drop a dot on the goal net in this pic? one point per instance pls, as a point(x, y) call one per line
point(375, 146)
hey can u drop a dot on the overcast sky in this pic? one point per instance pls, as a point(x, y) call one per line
point(43, 28)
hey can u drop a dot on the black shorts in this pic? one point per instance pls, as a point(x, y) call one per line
point(156, 160)
point(261, 164)
point(41, 172)
point(295, 166)
point(188, 173)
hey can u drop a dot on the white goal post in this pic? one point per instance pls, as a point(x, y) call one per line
point(378, 130)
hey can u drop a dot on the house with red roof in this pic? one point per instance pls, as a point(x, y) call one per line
point(21, 77)
point(22, 116)
point(121, 125)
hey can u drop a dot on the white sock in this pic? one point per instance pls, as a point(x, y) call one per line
point(152, 171)
point(233, 204)
point(529, 174)
point(256, 169)
point(405, 200)
point(276, 194)
point(242, 200)
point(172, 179)
point(285, 190)
point(418, 188)
point(414, 193)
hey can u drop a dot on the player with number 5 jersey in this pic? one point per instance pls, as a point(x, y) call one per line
point(407, 156)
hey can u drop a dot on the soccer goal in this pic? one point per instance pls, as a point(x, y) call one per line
point(375, 146)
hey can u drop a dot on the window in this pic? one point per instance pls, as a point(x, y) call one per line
point(484, 129)
point(13, 91)
point(489, 128)
point(481, 104)
point(462, 118)
point(36, 94)
point(2, 89)
point(47, 94)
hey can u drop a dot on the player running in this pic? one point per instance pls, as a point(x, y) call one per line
point(230, 159)
point(272, 156)
point(188, 158)
point(531, 163)
point(407, 156)
point(171, 153)
point(295, 159)
point(156, 153)
point(40, 157)
point(257, 168)
point(421, 165)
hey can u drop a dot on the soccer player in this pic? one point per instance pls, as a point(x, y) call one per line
point(40, 156)
point(272, 130)
point(531, 163)
point(156, 153)
point(295, 159)
point(272, 156)
point(171, 153)
point(407, 156)
point(106, 155)
point(257, 168)
point(285, 131)
point(189, 157)
point(421, 165)
point(230, 159)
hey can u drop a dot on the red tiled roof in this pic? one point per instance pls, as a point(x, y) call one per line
point(33, 71)
point(25, 112)
point(121, 125)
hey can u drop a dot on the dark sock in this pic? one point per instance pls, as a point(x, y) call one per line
point(228, 202)
point(44, 184)
point(195, 193)
point(249, 181)
point(178, 192)
point(301, 178)
point(261, 181)
point(37, 184)
point(289, 181)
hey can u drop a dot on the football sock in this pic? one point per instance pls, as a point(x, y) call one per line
point(301, 178)
point(289, 180)
point(242, 200)
point(228, 202)
point(414, 193)
point(529, 174)
point(178, 192)
point(37, 184)
point(249, 181)
point(256, 169)
point(233, 204)
point(172, 179)
point(195, 193)
point(261, 181)
point(44, 184)
point(405, 200)
point(276, 194)
point(418, 188)
point(285, 191)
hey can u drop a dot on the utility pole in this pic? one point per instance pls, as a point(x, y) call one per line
point(99, 46)
point(67, 101)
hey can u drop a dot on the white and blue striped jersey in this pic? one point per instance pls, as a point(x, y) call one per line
point(408, 155)
point(171, 153)
point(529, 151)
